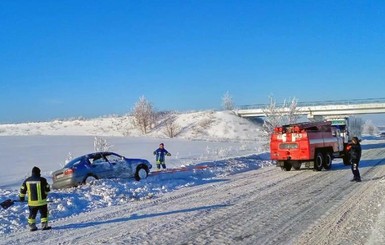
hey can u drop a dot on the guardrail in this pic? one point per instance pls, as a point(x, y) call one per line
point(319, 103)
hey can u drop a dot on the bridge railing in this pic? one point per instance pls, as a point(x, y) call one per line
point(317, 103)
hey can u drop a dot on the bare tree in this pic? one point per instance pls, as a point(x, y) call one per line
point(144, 115)
point(293, 113)
point(227, 102)
point(370, 128)
point(275, 115)
point(355, 126)
point(69, 158)
point(171, 127)
point(101, 144)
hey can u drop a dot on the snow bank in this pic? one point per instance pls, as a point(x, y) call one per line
point(206, 125)
point(111, 192)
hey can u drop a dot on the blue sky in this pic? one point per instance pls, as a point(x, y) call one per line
point(62, 59)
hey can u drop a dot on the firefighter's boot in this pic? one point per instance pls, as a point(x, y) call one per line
point(32, 227)
point(44, 226)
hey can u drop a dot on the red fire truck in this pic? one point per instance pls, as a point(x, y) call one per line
point(313, 144)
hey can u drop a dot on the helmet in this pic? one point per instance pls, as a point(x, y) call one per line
point(36, 171)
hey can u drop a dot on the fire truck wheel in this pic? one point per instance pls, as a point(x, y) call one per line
point(319, 159)
point(328, 161)
point(297, 166)
point(286, 166)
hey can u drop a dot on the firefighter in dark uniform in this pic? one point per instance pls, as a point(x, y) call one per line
point(354, 151)
point(161, 154)
point(36, 188)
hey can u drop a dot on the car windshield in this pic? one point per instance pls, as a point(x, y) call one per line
point(73, 162)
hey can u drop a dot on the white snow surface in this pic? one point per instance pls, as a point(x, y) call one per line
point(221, 188)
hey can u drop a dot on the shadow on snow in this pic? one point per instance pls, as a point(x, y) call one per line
point(138, 217)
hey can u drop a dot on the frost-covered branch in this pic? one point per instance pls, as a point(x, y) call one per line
point(144, 115)
point(101, 144)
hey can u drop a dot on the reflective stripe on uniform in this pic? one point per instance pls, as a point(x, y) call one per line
point(35, 193)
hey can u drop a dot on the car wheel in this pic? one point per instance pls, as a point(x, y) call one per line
point(141, 172)
point(89, 180)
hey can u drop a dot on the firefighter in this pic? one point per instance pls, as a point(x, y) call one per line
point(161, 154)
point(354, 151)
point(37, 188)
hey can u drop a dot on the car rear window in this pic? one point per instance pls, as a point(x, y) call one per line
point(73, 162)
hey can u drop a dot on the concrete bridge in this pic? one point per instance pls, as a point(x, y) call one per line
point(321, 108)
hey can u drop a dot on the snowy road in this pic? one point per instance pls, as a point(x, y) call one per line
point(264, 206)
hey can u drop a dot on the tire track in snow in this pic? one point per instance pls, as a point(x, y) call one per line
point(254, 222)
point(265, 206)
point(319, 202)
point(342, 224)
point(186, 196)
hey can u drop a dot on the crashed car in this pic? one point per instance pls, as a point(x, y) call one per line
point(99, 165)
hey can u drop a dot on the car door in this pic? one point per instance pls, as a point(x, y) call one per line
point(119, 165)
point(100, 166)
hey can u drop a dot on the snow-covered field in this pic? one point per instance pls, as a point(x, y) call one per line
point(228, 192)
point(48, 144)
